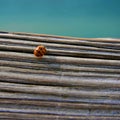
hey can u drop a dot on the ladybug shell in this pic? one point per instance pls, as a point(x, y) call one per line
point(40, 51)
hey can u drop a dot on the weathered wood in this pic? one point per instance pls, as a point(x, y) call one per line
point(57, 91)
point(16, 42)
point(41, 97)
point(45, 72)
point(72, 53)
point(60, 59)
point(61, 80)
point(62, 37)
point(63, 41)
point(78, 78)
point(70, 105)
point(59, 67)
point(19, 116)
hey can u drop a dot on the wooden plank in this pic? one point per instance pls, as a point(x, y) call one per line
point(71, 53)
point(114, 40)
point(31, 116)
point(78, 78)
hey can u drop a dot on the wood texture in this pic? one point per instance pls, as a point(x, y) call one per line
point(78, 78)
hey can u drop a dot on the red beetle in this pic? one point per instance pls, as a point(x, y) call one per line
point(40, 51)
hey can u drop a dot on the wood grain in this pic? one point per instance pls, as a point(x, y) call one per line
point(78, 78)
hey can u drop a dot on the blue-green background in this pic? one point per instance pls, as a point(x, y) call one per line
point(79, 18)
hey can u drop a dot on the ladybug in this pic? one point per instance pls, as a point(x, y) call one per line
point(40, 51)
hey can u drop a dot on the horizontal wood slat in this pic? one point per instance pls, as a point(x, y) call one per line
point(78, 78)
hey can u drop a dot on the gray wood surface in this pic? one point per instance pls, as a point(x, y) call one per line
point(78, 78)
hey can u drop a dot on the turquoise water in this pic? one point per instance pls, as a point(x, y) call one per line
point(79, 18)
